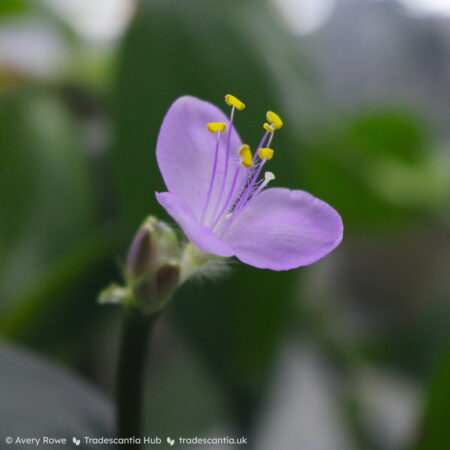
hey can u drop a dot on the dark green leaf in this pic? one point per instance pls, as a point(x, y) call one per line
point(435, 429)
point(45, 192)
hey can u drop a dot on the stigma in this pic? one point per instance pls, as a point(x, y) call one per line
point(268, 177)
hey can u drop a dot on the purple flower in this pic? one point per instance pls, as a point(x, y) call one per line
point(218, 196)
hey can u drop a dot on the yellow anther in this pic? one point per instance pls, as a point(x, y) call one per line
point(246, 156)
point(214, 127)
point(268, 128)
point(265, 153)
point(234, 101)
point(274, 119)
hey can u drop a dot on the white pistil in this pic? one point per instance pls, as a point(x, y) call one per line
point(268, 177)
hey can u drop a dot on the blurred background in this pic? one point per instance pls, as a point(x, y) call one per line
point(350, 353)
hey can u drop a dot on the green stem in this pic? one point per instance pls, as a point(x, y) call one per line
point(130, 374)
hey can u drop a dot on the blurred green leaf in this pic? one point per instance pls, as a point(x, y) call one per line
point(39, 399)
point(75, 279)
point(175, 48)
point(45, 191)
point(378, 170)
point(13, 7)
point(396, 135)
point(434, 432)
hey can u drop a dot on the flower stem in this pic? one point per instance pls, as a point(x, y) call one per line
point(130, 374)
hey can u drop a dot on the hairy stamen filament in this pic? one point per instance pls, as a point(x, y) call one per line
point(243, 199)
point(228, 201)
point(264, 154)
point(246, 162)
point(224, 214)
point(268, 177)
point(251, 172)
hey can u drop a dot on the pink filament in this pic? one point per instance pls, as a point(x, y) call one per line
point(253, 177)
point(229, 197)
point(243, 199)
point(227, 158)
point(213, 176)
point(261, 143)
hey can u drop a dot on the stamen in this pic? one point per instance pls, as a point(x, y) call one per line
point(253, 164)
point(213, 176)
point(268, 128)
point(247, 191)
point(227, 158)
point(231, 100)
point(270, 131)
point(265, 153)
point(214, 127)
point(246, 161)
point(262, 142)
point(270, 139)
point(246, 156)
point(235, 103)
point(274, 119)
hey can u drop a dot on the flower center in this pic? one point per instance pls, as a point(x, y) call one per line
point(242, 190)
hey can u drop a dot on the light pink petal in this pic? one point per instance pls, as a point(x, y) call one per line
point(197, 233)
point(283, 229)
point(185, 152)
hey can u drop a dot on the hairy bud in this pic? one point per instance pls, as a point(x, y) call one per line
point(152, 271)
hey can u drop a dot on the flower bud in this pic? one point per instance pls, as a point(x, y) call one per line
point(167, 243)
point(167, 279)
point(153, 245)
point(141, 254)
point(152, 294)
point(152, 271)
